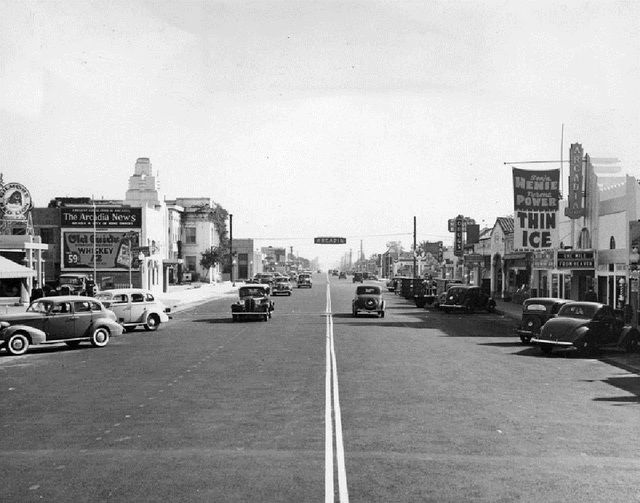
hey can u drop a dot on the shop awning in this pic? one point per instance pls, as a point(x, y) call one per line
point(9, 269)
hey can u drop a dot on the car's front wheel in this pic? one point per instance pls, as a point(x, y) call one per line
point(153, 322)
point(100, 337)
point(17, 344)
point(525, 339)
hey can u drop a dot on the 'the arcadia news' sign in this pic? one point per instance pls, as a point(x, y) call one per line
point(329, 241)
point(105, 217)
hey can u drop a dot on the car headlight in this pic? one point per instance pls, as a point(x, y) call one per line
point(4, 324)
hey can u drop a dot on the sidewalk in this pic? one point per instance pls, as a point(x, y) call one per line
point(178, 297)
point(627, 361)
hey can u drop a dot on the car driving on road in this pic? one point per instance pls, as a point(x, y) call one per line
point(253, 302)
point(282, 286)
point(70, 319)
point(368, 298)
point(135, 307)
point(304, 280)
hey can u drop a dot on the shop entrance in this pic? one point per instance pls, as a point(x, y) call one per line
point(612, 290)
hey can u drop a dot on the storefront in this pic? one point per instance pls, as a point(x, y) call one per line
point(517, 271)
point(574, 275)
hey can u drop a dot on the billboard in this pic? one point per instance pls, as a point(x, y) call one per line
point(112, 250)
point(535, 201)
point(121, 217)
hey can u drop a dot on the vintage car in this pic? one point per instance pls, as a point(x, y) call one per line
point(253, 302)
point(442, 285)
point(586, 327)
point(342, 275)
point(265, 278)
point(369, 299)
point(357, 277)
point(75, 284)
point(135, 307)
point(467, 298)
point(304, 280)
point(69, 318)
point(536, 311)
point(391, 284)
point(282, 286)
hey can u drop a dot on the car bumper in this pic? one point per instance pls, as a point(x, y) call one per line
point(563, 344)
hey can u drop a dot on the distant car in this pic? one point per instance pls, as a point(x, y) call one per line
point(304, 280)
point(372, 277)
point(357, 277)
point(75, 284)
point(253, 302)
point(467, 298)
point(265, 278)
point(334, 272)
point(282, 286)
point(70, 319)
point(586, 327)
point(536, 311)
point(135, 307)
point(391, 284)
point(368, 298)
point(342, 275)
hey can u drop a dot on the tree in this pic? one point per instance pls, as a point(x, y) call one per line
point(209, 258)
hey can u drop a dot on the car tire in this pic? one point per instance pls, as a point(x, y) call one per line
point(468, 308)
point(100, 337)
point(526, 340)
point(234, 317)
point(265, 317)
point(72, 344)
point(546, 348)
point(381, 314)
point(491, 307)
point(289, 294)
point(17, 344)
point(152, 324)
point(354, 311)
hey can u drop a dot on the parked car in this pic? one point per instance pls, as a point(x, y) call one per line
point(282, 286)
point(368, 298)
point(391, 284)
point(304, 280)
point(536, 311)
point(253, 302)
point(342, 275)
point(442, 285)
point(70, 319)
point(75, 284)
point(467, 298)
point(135, 307)
point(358, 277)
point(586, 327)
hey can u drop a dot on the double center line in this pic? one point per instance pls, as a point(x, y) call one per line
point(332, 416)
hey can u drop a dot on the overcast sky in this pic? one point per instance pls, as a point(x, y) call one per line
point(315, 118)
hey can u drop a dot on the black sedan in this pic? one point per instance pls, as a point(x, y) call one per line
point(467, 298)
point(71, 319)
point(586, 327)
point(536, 311)
point(368, 299)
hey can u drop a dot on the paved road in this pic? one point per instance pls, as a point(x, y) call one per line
point(433, 407)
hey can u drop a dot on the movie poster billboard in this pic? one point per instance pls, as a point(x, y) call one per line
point(112, 250)
point(536, 197)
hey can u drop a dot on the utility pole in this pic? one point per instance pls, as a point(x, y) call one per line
point(231, 249)
point(415, 250)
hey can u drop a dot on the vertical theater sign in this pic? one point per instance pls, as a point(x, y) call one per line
point(536, 195)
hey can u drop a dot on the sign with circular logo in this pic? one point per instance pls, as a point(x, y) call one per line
point(15, 201)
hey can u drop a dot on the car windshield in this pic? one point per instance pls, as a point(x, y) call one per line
point(251, 292)
point(368, 290)
point(103, 296)
point(40, 306)
point(585, 311)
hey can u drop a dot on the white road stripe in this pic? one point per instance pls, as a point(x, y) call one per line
point(332, 389)
point(328, 425)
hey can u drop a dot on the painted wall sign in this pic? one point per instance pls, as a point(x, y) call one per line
point(575, 201)
point(112, 249)
point(535, 201)
point(105, 217)
point(576, 259)
point(15, 201)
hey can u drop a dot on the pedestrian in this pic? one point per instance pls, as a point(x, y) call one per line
point(591, 296)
